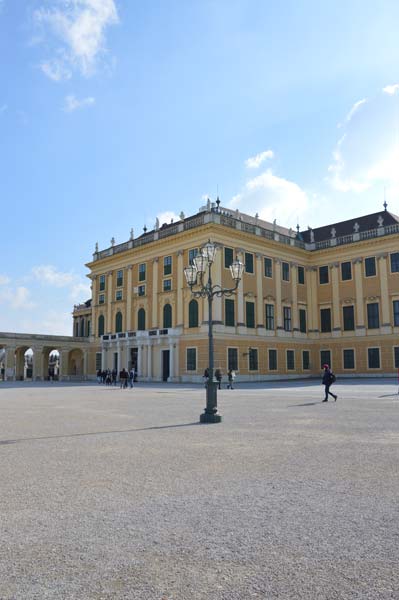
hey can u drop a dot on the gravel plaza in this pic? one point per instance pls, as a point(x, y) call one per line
point(122, 494)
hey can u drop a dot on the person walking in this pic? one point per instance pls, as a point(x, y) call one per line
point(219, 376)
point(206, 377)
point(327, 381)
point(123, 377)
point(131, 377)
point(230, 376)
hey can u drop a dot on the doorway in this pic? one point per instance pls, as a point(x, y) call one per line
point(165, 365)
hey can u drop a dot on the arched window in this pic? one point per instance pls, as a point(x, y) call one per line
point(118, 322)
point(101, 325)
point(167, 316)
point(82, 328)
point(141, 319)
point(193, 314)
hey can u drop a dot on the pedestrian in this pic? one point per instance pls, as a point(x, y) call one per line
point(206, 376)
point(328, 379)
point(99, 376)
point(131, 377)
point(108, 377)
point(219, 377)
point(113, 375)
point(230, 376)
point(123, 377)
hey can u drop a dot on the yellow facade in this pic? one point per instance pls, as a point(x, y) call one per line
point(132, 283)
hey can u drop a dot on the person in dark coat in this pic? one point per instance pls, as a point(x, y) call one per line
point(219, 377)
point(328, 379)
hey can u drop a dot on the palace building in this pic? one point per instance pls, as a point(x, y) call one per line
point(327, 295)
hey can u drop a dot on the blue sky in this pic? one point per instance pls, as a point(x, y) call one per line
point(114, 112)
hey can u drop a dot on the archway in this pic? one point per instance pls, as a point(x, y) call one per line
point(51, 363)
point(23, 363)
point(2, 363)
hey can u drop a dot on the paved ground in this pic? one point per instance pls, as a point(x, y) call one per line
point(110, 494)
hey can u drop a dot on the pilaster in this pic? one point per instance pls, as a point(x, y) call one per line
point(155, 308)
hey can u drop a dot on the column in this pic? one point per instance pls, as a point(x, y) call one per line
point(149, 361)
point(37, 374)
point(385, 308)
point(179, 292)
point(140, 365)
point(313, 307)
point(85, 363)
point(294, 294)
point(279, 308)
point(240, 293)
point(9, 363)
point(171, 361)
point(109, 303)
point(260, 311)
point(103, 358)
point(217, 278)
point(155, 308)
point(94, 302)
point(64, 354)
point(129, 293)
point(336, 309)
point(360, 328)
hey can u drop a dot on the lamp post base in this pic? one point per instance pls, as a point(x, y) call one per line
point(210, 417)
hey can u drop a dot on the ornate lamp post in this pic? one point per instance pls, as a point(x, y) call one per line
point(195, 276)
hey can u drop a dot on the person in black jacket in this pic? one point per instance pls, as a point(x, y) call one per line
point(328, 379)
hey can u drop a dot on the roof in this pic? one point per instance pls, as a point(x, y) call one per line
point(342, 228)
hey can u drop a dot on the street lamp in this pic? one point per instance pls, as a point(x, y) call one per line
point(195, 276)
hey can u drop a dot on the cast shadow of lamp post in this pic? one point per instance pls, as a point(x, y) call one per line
point(195, 276)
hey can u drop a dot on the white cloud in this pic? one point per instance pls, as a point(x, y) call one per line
point(50, 275)
point(367, 154)
point(391, 90)
point(80, 291)
point(167, 216)
point(16, 298)
point(4, 280)
point(72, 103)
point(80, 27)
point(254, 162)
point(272, 197)
point(355, 108)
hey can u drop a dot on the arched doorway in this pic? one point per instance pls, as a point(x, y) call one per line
point(51, 364)
point(23, 363)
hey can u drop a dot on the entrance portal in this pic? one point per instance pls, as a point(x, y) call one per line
point(165, 365)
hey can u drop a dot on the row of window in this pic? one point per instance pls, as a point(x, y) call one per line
point(370, 268)
point(348, 359)
point(140, 290)
point(82, 328)
point(142, 273)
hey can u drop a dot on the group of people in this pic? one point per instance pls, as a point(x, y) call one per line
point(109, 377)
point(219, 376)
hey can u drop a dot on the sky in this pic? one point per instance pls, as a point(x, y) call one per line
point(116, 112)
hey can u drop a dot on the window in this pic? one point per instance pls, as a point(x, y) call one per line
point(323, 275)
point(325, 320)
point(287, 318)
point(253, 359)
point(102, 283)
point(395, 304)
point(373, 358)
point(76, 329)
point(229, 312)
point(82, 328)
point(101, 299)
point(346, 271)
point(167, 285)
point(395, 262)
point(142, 272)
point(250, 314)
point(118, 322)
point(118, 295)
point(268, 265)
point(232, 359)
point(270, 317)
point(88, 328)
point(119, 278)
point(141, 290)
point(286, 272)
point(228, 257)
point(167, 316)
point(373, 317)
point(349, 318)
point(191, 359)
point(141, 319)
point(249, 262)
point(301, 275)
point(167, 265)
point(349, 359)
point(98, 360)
point(191, 255)
point(325, 358)
point(396, 356)
point(302, 320)
point(101, 325)
point(369, 266)
point(272, 360)
point(290, 360)
point(305, 360)
point(193, 313)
